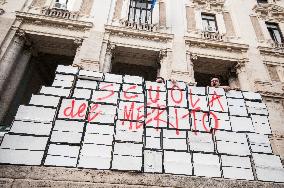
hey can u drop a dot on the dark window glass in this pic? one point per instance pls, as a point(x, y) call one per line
point(209, 22)
point(140, 11)
point(275, 32)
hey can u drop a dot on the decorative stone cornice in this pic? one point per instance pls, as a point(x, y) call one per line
point(269, 12)
point(133, 33)
point(275, 90)
point(216, 44)
point(271, 50)
point(53, 21)
point(214, 49)
point(209, 5)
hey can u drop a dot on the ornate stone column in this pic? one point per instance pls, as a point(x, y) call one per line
point(190, 58)
point(11, 96)
point(242, 76)
point(9, 60)
point(162, 72)
point(78, 44)
point(108, 57)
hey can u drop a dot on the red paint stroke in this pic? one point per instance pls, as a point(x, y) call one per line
point(69, 111)
point(214, 98)
point(177, 101)
point(92, 115)
point(110, 94)
point(127, 96)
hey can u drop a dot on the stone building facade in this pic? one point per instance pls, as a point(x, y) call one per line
point(186, 40)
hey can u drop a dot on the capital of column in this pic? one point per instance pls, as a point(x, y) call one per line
point(193, 56)
point(110, 48)
point(78, 42)
point(21, 34)
point(239, 67)
point(163, 54)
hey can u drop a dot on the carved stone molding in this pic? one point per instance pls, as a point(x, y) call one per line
point(110, 48)
point(78, 42)
point(138, 34)
point(275, 90)
point(216, 44)
point(88, 64)
point(49, 21)
point(193, 56)
point(21, 33)
point(271, 50)
point(209, 5)
point(163, 54)
point(269, 12)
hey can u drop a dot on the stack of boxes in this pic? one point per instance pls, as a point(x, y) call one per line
point(104, 121)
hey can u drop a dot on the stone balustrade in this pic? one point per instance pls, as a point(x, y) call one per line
point(139, 26)
point(60, 13)
point(212, 36)
point(277, 45)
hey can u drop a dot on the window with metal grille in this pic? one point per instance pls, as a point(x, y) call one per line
point(209, 22)
point(140, 11)
point(274, 31)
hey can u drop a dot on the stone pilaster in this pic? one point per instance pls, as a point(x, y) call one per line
point(11, 96)
point(86, 7)
point(190, 18)
point(78, 44)
point(230, 31)
point(162, 72)
point(257, 28)
point(189, 59)
point(242, 76)
point(162, 14)
point(38, 3)
point(117, 9)
point(108, 57)
point(9, 60)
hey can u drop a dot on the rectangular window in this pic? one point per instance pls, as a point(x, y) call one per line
point(140, 11)
point(275, 32)
point(209, 22)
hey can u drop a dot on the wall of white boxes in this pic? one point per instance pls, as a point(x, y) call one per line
point(50, 132)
